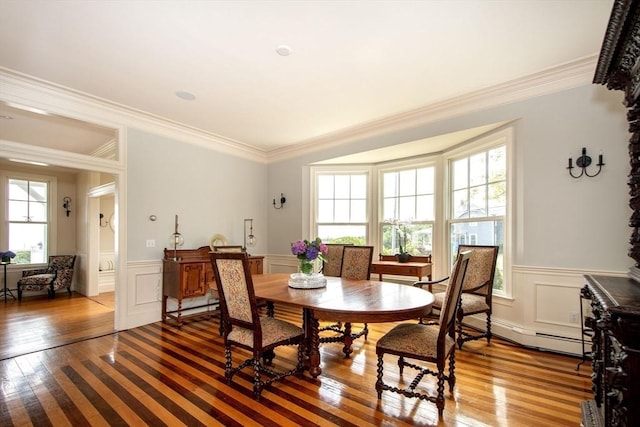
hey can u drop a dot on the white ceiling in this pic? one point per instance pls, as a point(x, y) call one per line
point(352, 62)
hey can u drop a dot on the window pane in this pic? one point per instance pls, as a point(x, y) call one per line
point(389, 209)
point(358, 211)
point(417, 242)
point(497, 199)
point(358, 186)
point(342, 211)
point(421, 238)
point(29, 242)
point(481, 233)
point(38, 191)
point(478, 202)
point(38, 211)
point(18, 189)
point(390, 188)
point(460, 174)
point(477, 169)
point(325, 186)
point(342, 187)
point(325, 210)
point(460, 204)
point(425, 181)
point(408, 182)
point(355, 234)
point(18, 211)
point(425, 208)
point(407, 208)
point(497, 164)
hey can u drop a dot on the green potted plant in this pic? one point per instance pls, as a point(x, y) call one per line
point(402, 255)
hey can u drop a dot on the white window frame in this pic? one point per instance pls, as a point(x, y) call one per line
point(316, 171)
point(501, 138)
point(398, 166)
point(52, 213)
point(441, 228)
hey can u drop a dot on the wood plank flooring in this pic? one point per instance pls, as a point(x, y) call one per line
point(37, 323)
point(161, 375)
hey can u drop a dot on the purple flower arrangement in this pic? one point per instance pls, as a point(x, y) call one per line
point(306, 250)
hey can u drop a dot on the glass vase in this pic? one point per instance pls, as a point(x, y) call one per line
point(306, 266)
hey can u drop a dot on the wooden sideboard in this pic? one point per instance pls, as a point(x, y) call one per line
point(615, 352)
point(417, 266)
point(187, 273)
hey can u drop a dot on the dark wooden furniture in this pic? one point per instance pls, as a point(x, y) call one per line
point(417, 266)
point(239, 308)
point(616, 301)
point(619, 69)
point(187, 273)
point(343, 300)
point(615, 353)
point(432, 343)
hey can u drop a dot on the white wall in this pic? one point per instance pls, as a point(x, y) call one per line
point(211, 192)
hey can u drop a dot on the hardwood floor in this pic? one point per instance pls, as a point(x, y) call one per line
point(160, 375)
point(37, 323)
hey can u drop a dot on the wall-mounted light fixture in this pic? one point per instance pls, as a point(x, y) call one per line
point(105, 223)
point(249, 239)
point(66, 204)
point(283, 200)
point(583, 162)
point(176, 240)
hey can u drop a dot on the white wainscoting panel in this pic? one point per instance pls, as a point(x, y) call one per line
point(144, 293)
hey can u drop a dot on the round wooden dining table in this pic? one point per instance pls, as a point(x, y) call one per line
point(343, 300)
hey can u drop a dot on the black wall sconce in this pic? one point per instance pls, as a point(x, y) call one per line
point(66, 204)
point(283, 200)
point(583, 162)
point(103, 224)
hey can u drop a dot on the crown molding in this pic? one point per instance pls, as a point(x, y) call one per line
point(554, 79)
point(28, 90)
point(21, 88)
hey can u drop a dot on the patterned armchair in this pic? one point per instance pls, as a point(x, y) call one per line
point(245, 328)
point(432, 343)
point(57, 275)
point(477, 290)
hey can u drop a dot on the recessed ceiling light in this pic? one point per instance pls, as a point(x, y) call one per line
point(283, 50)
point(187, 96)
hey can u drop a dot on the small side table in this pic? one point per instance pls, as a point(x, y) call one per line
point(5, 290)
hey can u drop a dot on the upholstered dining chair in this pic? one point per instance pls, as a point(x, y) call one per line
point(356, 265)
point(57, 275)
point(477, 290)
point(433, 343)
point(245, 328)
point(333, 264)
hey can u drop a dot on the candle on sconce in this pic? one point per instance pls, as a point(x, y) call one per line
point(570, 163)
point(600, 159)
